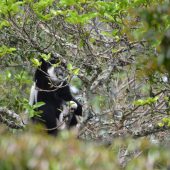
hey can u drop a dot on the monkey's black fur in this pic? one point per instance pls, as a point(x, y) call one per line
point(53, 97)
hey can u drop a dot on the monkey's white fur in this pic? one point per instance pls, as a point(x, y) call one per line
point(52, 74)
point(33, 95)
point(66, 110)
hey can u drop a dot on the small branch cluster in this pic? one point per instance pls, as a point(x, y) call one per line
point(11, 119)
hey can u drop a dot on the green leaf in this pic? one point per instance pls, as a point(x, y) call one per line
point(6, 50)
point(4, 23)
point(109, 16)
point(160, 124)
point(38, 104)
point(148, 101)
point(8, 74)
point(139, 102)
point(39, 8)
point(69, 66)
point(67, 2)
point(74, 18)
point(31, 113)
point(46, 57)
point(168, 124)
point(35, 62)
point(76, 71)
point(165, 120)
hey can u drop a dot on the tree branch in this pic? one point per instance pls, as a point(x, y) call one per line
point(11, 119)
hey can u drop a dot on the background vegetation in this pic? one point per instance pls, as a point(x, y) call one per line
point(119, 52)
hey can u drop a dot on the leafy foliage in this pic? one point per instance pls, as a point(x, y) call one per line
point(118, 52)
point(31, 110)
point(5, 50)
point(148, 101)
point(35, 151)
point(17, 82)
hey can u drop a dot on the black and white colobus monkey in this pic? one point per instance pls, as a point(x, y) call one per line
point(51, 87)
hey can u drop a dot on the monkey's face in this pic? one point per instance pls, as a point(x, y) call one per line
point(57, 74)
point(56, 71)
